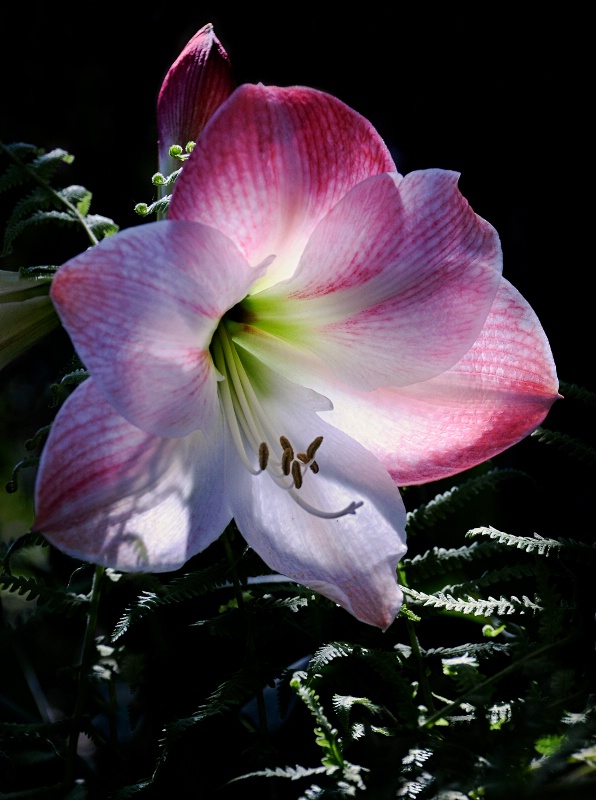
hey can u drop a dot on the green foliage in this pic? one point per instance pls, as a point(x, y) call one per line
point(32, 169)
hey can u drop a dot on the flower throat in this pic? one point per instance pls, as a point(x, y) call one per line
point(251, 430)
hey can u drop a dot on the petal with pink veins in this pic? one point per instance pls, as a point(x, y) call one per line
point(111, 494)
point(491, 399)
point(393, 287)
point(152, 296)
point(195, 86)
point(270, 164)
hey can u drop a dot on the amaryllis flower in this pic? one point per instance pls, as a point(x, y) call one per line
point(308, 330)
point(196, 84)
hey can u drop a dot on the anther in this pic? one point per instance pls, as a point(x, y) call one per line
point(314, 467)
point(286, 446)
point(313, 447)
point(303, 457)
point(297, 474)
point(286, 461)
point(263, 455)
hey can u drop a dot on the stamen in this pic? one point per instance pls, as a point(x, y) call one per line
point(313, 447)
point(303, 457)
point(297, 474)
point(285, 445)
point(286, 460)
point(263, 455)
point(314, 467)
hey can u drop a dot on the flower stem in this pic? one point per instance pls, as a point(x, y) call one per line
point(83, 683)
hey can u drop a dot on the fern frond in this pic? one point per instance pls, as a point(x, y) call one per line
point(477, 649)
point(569, 445)
point(23, 542)
point(77, 196)
point(343, 705)
point(293, 773)
point(13, 484)
point(19, 731)
point(469, 605)
point(231, 694)
point(573, 392)
point(46, 164)
point(34, 589)
point(158, 207)
point(448, 502)
point(502, 575)
point(439, 561)
point(329, 652)
point(539, 544)
point(187, 587)
point(101, 226)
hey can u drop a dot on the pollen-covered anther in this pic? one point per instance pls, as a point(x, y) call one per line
point(314, 467)
point(263, 455)
point(286, 461)
point(303, 457)
point(313, 447)
point(286, 446)
point(297, 474)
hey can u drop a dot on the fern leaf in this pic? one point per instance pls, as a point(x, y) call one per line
point(13, 484)
point(477, 649)
point(33, 589)
point(442, 505)
point(77, 196)
point(231, 694)
point(187, 587)
point(500, 576)
point(540, 544)
point(439, 561)
point(23, 542)
point(572, 447)
point(573, 392)
point(102, 227)
point(46, 164)
point(293, 773)
point(469, 605)
point(329, 652)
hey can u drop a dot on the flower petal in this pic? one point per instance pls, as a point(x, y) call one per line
point(494, 397)
point(141, 308)
point(270, 164)
point(393, 287)
point(196, 84)
point(111, 494)
point(351, 559)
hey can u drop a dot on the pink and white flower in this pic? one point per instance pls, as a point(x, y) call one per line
point(308, 330)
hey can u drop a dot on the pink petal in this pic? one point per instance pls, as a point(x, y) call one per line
point(196, 84)
point(393, 287)
point(110, 494)
point(494, 397)
point(352, 560)
point(269, 166)
point(141, 308)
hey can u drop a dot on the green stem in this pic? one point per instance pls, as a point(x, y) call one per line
point(87, 654)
